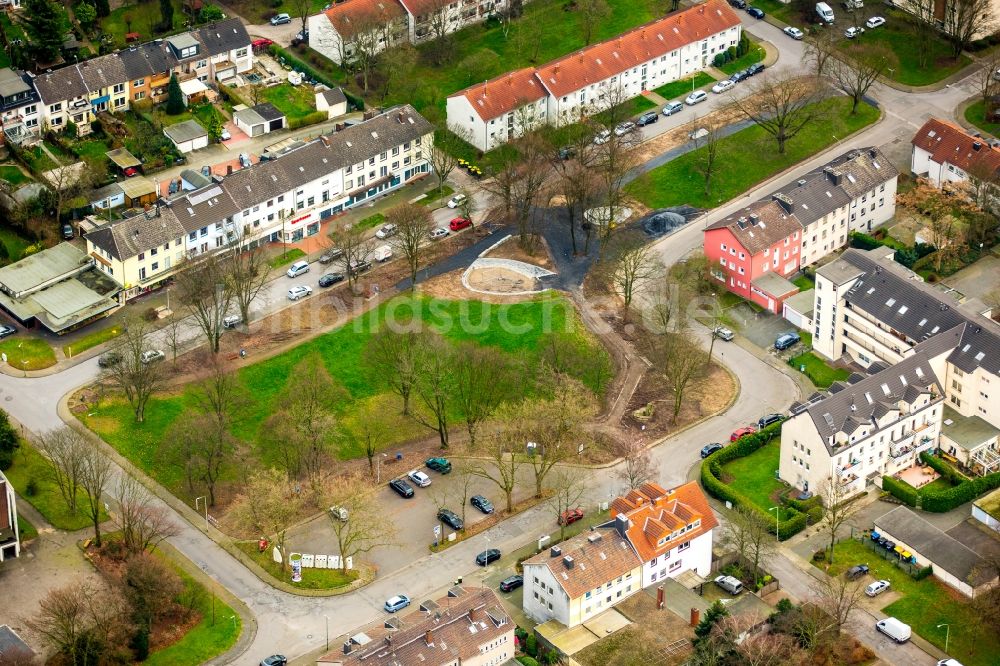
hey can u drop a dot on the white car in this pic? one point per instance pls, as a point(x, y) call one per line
point(695, 97)
point(723, 86)
point(877, 588)
point(386, 231)
point(851, 33)
point(794, 33)
point(419, 478)
point(602, 137)
point(624, 128)
point(225, 135)
point(151, 355)
point(299, 291)
point(874, 22)
point(456, 201)
point(438, 233)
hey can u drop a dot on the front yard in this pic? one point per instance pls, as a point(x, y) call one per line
point(27, 353)
point(684, 87)
point(756, 476)
point(817, 370)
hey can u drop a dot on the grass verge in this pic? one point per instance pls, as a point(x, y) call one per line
point(436, 194)
point(312, 579)
point(371, 221)
point(26, 529)
point(91, 340)
point(286, 257)
point(754, 55)
point(26, 353)
point(13, 175)
point(817, 370)
point(755, 476)
point(684, 86)
point(975, 113)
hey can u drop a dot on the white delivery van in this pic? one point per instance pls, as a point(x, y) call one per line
point(824, 12)
point(382, 253)
point(894, 629)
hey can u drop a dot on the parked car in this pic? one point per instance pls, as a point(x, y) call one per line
point(6, 330)
point(856, 572)
point(602, 137)
point(894, 629)
point(401, 487)
point(567, 152)
point(793, 32)
point(739, 76)
point(742, 432)
point(785, 341)
point(755, 69)
point(570, 516)
point(723, 333)
point(768, 419)
point(299, 291)
point(481, 503)
point(358, 267)
point(386, 231)
point(441, 465)
point(853, 32)
point(438, 233)
point(647, 118)
point(511, 583)
point(756, 13)
point(232, 321)
point(670, 108)
point(67, 231)
point(457, 200)
point(274, 660)
point(152, 356)
point(450, 518)
point(396, 603)
point(382, 253)
point(484, 558)
point(877, 588)
point(419, 478)
point(730, 584)
point(874, 22)
point(131, 171)
point(330, 255)
point(723, 86)
point(280, 19)
point(224, 135)
point(302, 36)
point(621, 129)
point(109, 359)
point(459, 223)
point(696, 97)
point(738, 4)
point(709, 449)
point(297, 269)
point(330, 279)
point(340, 513)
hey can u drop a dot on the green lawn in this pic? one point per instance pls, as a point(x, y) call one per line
point(13, 175)
point(804, 282)
point(976, 114)
point(371, 221)
point(91, 340)
point(780, 10)
point(295, 102)
point(754, 55)
point(436, 195)
point(203, 113)
point(258, 12)
point(94, 149)
point(684, 87)
point(312, 579)
point(25, 529)
point(817, 370)
point(514, 328)
point(754, 475)
point(38, 161)
point(924, 605)
point(26, 353)
point(14, 242)
point(286, 257)
point(745, 159)
point(142, 18)
point(30, 465)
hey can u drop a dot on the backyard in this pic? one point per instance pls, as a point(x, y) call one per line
point(925, 605)
point(975, 113)
point(13, 175)
point(142, 18)
point(296, 102)
point(745, 159)
point(817, 370)
point(755, 476)
point(15, 244)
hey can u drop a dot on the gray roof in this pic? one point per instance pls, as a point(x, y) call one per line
point(11, 642)
point(62, 84)
point(128, 237)
point(11, 83)
point(203, 207)
point(195, 179)
point(123, 158)
point(223, 36)
point(248, 116)
point(943, 551)
point(183, 41)
point(969, 432)
point(185, 131)
point(102, 72)
point(37, 269)
point(106, 192)
point(268, 111)
point(334, 96)
point(145, 60)
point(802, 302)
point(773, 284)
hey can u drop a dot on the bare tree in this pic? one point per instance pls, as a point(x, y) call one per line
point(859, 67)
point(707, 135)
point(200, 447)
point(615, 158)
point(361, 45)
point(205, 292)
point(576, 184)
point(266, 506)
point(413, 224)
point(752, 644)
point(367, 526)
point(483, 378)
point(467, 207)
point(172, 336)
point(986, 77)
point(964, 20)
point(568, 490)
point(681, 362)
point(131, 375)
point(434, 386)
point(781, 104)
point(448, 143)
point(837, 597)
point(368, 431)
point(246, 271)
point(439, 16)
point(219, 393)
point(395, 357)
point(356, 250)
point(924, 27)
point(501, 466)
point(821, 48)
point(303, 8)
point(81, 620)
point(592, 13)
point(142, 522)
point(748, 534)
point(95, 474)
point(65, 449)
point(636, 465)
point(840, 510)
point(634, 267)
point(517, 185)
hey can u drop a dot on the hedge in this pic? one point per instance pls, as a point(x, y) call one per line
point(939, 501)
point(711, 473)
point(308, 119)
point(297, 63)
point(901, 490)
point(943, 468)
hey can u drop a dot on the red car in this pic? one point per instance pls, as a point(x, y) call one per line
point(131, 171)
point(460, 223)
point(748, 430)
point(261, 43)
point(570, 516)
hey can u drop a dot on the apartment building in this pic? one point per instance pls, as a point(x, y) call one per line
point(210, 54)
point(282, 199)
point(467, 627)
point(946, 153)
point(589, 80)
point(20, 107)
point(10, 540)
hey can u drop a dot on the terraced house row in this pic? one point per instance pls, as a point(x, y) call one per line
point(589, 80)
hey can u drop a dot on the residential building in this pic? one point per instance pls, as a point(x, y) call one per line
point(12, 648)
point(944, 153)
point(431, 19)
point(467, 627)
point(19, 106)
point(654, 534)
point(10, 539)
point(954, 16)
point(595, 77)
point(365, 26)
point(282, 199)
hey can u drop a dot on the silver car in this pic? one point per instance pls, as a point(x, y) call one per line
point(299, 291)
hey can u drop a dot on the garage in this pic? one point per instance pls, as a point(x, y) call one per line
point(187, 136)
point(260, 119)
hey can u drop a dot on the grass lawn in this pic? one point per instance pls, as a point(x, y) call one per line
point(436, 194)
point(26, 529)
point(29, 465)
point(312, 579)
point(515, 329)
point(38, 161)
point(754, 475)
point(94, 149)
point(818, 372)
point(293, 101)
point(13, 175)
point(286, 257)
point(371, 221)
point(780, 10)
point(745, 159)
point(684, 87)
point(754, 55)
point(218, 630)
point(142, 18)
point(14, 242)
point(91, 340)
point(926, 604)
point(26, 353)
point(257, 12)
point(804, 282)
point(976, 114)
point(202, 113)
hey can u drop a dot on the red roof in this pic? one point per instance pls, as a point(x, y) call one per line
point(493, 98)
point(655, 513)
point(347, 17)
point(599, 62)
point(422, 7)
point(949, 143)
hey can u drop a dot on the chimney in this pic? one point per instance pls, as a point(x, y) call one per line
point(872, 153)
point(325, 139)
point(399, 117)
point(348, 646)
point(556, 551)
point(834, 175)
point(659, 598)
point(976, 145)
point(754, 219)
point(621, 524)
point(568, 561)
point(555, 71)
point(695, 617)
point(429, 637)
point(785, 202)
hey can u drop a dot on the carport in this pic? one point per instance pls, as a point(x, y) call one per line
point(123, 159)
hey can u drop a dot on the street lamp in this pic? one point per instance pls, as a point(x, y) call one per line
point(205, 502)
point(947, 634)
point(327, 632)
point(777, 514)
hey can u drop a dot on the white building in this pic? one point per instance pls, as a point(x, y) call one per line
point(946, 153)
point(333, 101)
point(20, 106)
point(596, 76)
point(10, 540)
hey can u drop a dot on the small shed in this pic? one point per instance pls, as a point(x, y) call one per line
point(138, 192)
point(333, 101)
point(187, 136)
point(109, 196)
point(123, 159)
point(260, 119)
point(193, 90)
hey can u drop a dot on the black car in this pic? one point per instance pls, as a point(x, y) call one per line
point(511, 583)
point(450, 518)
point(330, 255)
point(331, 279)
point(756, 68)
point(439, 465)
point(487, 556)
point(756, 13)
point(482, 503)
point(274, 660)
point(739, 4)
point(109, 359)
point(401, 487)
point(857, 571)
point(709, 449)
point(5, 330)
point(739, 76)
point(67, 230)
point(768, 419)
point(647, 118)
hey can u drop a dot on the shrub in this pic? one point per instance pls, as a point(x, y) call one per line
point(527, 661)
point(815, 515)
point(784, 605)
point(901, 490)
point(309, 119)
point(819, 556)
point(140, 644)
point(531, 645)
point(31, 488)
point(521, 633)
point(719, 60)
point(923, 573)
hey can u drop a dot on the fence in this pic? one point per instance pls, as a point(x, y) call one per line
point(914, 570)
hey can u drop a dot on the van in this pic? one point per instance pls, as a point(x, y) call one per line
point(824, 12)
point(382, 253)
point(298, 268)
point(894, 629)
point(730, 584)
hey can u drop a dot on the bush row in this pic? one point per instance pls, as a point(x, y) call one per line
point(308, 119)
point(297, 63)
point(939, 501)
point(901, 490)
point(711, 480)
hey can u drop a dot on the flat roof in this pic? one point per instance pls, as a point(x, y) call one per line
point(773, 284)
point(969, 432)
point(137, 187)
point(67, 303)
point(990, 503)
point(185, 131)
point(37, 269)
point(122, 158)
point(248, 117)
point(802, 302)
point(192, 87)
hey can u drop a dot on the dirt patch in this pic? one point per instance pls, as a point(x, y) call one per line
point(511, 249)
point(449, 286)
point(501, 280)
point(708, 395)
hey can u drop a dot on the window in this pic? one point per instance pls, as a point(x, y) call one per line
point(155, 266)
point(55, 108)
point(142, 255)
point(684, 546)
point(139, 82)
point(241, 53)
point(120, 102)
point(140, 95)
